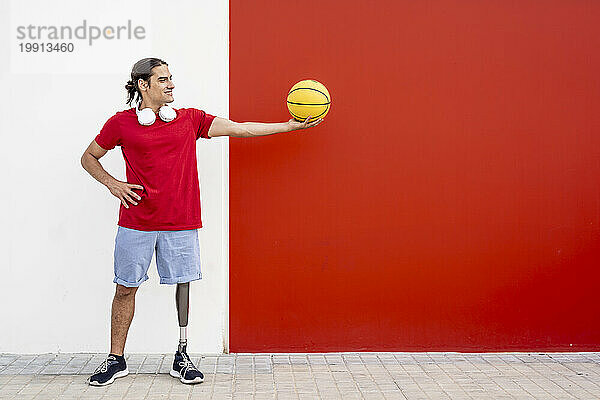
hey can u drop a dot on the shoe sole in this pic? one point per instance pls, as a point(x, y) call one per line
point(119, 374)
point(176, 374)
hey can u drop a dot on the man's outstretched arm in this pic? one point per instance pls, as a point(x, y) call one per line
point(225, 127)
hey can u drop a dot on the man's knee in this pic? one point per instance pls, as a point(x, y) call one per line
point(124, 291)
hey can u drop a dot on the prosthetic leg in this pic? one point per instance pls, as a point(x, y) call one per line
point(182, 299)
point(183, 368)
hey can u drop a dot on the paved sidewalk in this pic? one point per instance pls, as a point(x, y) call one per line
point(312, 376)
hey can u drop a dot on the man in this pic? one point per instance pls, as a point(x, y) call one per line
point(160, 202)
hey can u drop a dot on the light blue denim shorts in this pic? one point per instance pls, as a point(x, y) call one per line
point(177, 256)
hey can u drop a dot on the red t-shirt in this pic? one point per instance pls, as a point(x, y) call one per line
point(161, 158)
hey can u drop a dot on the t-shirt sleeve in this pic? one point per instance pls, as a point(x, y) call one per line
point(202, 122)
point(110, 134)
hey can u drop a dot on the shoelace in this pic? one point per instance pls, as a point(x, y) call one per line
point(105, 364)
point(186, 365)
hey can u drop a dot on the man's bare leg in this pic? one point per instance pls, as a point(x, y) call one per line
point(115, 366)
point(123, 307)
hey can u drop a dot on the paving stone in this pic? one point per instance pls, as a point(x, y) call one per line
point(306, 376)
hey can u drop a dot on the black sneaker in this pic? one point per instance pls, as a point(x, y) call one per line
point(113, 367)
point(184, 369)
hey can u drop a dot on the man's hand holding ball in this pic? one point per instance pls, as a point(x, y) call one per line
point(296, 125)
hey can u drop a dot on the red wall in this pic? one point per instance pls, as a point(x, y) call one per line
point(450, 201)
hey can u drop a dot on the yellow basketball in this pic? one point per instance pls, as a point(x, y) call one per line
point(308, 98)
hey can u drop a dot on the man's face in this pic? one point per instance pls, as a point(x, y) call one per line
point(161, 86)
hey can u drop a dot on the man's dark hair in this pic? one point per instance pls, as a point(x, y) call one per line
point(141, 70)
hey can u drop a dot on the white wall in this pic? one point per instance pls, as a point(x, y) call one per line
point(58, 224)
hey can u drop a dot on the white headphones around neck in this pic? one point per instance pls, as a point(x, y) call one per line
point(147, 117)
